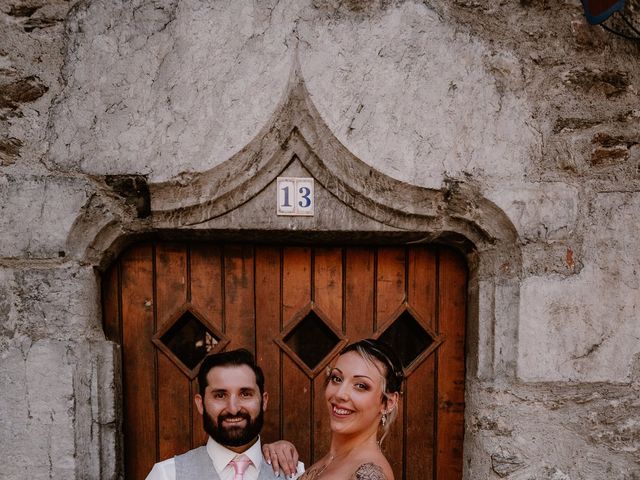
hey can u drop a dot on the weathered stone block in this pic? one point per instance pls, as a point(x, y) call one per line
point(37, 405)
point(23, 90)
point(609, 149)
point(545, 431)
point(555, 474)
point(8, 312)
point(36, 214)
point(497, 330)
point(60, 410)
point(567, 331)
point(544, 211)
point(588, 36)
point(35, 15)
point(504, 463)
point(97, 411)
point(61, 303)
point(9, 150)
point(610, 82)
point(562, 257)
point(613, 243)
point(15, 414)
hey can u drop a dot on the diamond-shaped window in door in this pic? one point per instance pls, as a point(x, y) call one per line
point(187, 338)
point(409, 338)
point(310, 340)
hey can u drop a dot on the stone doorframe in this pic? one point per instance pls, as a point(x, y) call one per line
point(235, 200)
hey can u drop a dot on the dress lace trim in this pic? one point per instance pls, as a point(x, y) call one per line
point(366, 471)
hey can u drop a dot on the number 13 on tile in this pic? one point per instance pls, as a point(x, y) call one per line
point(295, 196)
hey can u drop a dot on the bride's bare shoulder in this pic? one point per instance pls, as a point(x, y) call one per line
point(370, 471)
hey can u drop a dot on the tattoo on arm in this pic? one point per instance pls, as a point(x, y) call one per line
point(369, 471)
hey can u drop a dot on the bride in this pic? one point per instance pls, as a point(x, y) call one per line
point(362, 392)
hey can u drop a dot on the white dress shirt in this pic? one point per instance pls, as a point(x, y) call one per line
point(220, 457)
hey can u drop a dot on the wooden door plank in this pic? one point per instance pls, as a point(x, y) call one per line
point(327, 294)
point(297, 407)
point(139, 387)
point(421, 294)
point(206, 296)
point(420, 386)
point(239, 308)
point(327, 283)
point(206, 282)
point(267, 328)
point(390, 282)
point(451, 365)
point(359, 292)
point(390, 294)
point(174, 402)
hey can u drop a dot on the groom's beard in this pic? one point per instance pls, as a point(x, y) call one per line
point(233, 436)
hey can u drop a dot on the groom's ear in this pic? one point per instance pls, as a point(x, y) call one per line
point(265, 400)
point(197, 399)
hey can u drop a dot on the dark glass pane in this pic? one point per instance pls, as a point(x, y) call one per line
point(311, 340)
point(407, 337)
point(189, 340)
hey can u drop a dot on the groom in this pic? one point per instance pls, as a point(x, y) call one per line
point(232, 402)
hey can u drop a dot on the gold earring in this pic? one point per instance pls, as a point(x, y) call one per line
point(383, 419)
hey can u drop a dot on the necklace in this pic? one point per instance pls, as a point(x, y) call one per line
point(315, 473)
point(321, 470)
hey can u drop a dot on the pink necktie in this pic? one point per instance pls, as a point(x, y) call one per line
point(240, 464)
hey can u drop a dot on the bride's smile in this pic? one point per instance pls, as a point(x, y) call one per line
point(354, 395)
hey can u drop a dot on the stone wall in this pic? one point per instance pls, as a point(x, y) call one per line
point(521, 101)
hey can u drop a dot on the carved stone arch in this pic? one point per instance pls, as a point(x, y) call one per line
point(353, 200)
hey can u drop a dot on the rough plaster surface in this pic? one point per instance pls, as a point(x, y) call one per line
point(521, 100)
point(187, 107)
point(38, 382)
point(49, 303)
point(36, 214)
point(556, 431)
point(545, 212)
point(431, 117)
point(580, 335)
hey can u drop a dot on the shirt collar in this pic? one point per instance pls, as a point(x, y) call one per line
point(221, 456)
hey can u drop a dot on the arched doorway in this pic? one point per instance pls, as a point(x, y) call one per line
point(168, 304)
point(355, 204)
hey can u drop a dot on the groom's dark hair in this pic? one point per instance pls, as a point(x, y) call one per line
point(232, 358)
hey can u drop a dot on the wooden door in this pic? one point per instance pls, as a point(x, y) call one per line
point(167, 305)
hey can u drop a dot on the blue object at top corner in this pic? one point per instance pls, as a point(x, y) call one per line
point(597, 13)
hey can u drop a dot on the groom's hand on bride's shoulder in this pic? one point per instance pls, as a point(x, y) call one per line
point(283, 457)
